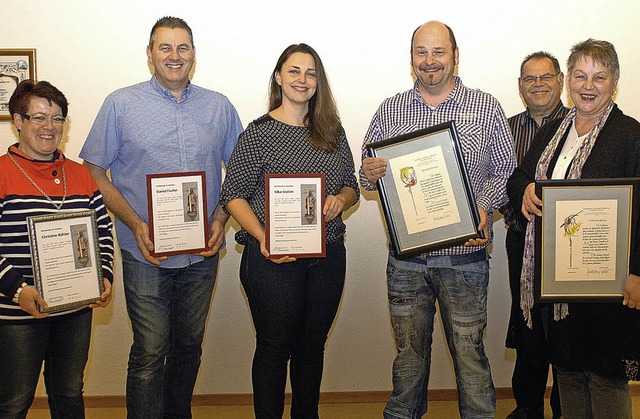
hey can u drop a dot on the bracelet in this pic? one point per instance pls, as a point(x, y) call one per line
point(16, 298)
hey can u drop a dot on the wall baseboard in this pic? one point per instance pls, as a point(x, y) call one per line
point(238, 399)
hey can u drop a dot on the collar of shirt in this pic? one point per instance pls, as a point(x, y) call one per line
point(455, 95)
point(557, 112)
point(166, 93)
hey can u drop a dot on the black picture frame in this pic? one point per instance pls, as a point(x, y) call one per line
point(445, 212)
point(584, 239)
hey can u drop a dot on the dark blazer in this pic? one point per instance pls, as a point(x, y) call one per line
point(602, 338)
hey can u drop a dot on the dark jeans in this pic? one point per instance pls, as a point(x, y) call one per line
point(531, 372)
point(586, 395)
point(293, 306)
point(62, 342)
point(168, 309)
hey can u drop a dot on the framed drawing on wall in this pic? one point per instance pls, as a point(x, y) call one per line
point(15, 65)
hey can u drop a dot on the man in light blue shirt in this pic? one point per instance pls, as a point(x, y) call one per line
point(165, 125)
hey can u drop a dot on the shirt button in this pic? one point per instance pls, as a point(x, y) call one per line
point(57, 181)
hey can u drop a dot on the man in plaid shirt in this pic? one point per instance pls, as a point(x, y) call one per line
point(456, 276)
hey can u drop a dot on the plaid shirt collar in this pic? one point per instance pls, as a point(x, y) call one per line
point(455, 95)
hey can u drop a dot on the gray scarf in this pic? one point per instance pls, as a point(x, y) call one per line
point(560, 310)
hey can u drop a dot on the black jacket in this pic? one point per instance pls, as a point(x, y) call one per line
point(600, 337)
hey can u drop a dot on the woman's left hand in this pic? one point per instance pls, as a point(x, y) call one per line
point(632, 292)
point(332, 207)
point(105, 298)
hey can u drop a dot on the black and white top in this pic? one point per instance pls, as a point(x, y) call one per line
point(271, 146)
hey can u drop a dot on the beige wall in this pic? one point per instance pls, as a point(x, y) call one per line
point(89, 48)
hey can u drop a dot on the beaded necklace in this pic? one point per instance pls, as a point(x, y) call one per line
point(64, 184)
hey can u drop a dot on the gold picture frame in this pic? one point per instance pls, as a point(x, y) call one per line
point(16, 65)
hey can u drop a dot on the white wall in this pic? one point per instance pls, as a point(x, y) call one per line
point(89, 48)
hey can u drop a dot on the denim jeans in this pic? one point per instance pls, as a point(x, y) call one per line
point(585, 395)
point(168, 309)
point(459, 285)
point(293, 306)
point(62, 343)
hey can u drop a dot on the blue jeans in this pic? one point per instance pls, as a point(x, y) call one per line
point(168, 309)
point(293, 306)
point(585, 395)
point(459, 285)
point(63, 344)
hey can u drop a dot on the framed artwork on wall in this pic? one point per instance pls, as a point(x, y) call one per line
point(16, 65)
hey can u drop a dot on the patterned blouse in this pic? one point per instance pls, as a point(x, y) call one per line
point(271, 146)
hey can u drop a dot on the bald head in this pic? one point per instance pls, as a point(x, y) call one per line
point(434, 27)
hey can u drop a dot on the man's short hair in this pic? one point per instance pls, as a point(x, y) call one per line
point(172, 23)
point(452, 38)
point(541, 54)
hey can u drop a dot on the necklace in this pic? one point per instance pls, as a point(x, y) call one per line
point(64, 184)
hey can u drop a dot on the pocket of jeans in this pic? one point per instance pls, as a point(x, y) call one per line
point(402, 302)
point(475, 274)
point(402, 311)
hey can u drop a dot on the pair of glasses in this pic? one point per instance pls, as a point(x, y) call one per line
point(545, 78)
point(41, 119)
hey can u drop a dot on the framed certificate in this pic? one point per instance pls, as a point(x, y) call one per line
point(178, 217)
point(65, 254)
point(584, 238)
point(294, 224)
point(16, 65)
point(426, 195)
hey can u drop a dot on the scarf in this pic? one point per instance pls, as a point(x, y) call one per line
point(560, 310)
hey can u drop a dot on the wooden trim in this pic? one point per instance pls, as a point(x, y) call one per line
point(239, 399)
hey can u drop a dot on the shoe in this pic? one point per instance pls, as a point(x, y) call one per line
point(518, 413)
point(526, 413)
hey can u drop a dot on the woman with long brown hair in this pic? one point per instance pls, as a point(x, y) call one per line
point(293, 301)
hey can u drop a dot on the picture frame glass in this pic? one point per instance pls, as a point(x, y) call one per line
point(583, 239)
point(16, 65)
point(426, 194)
point(178, 215)
point(294, 223)
point(66, 259)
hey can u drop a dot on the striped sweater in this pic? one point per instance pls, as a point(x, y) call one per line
point(19, 199)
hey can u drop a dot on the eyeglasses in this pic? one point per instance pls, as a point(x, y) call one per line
point(41, 119)
point(545, 78)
